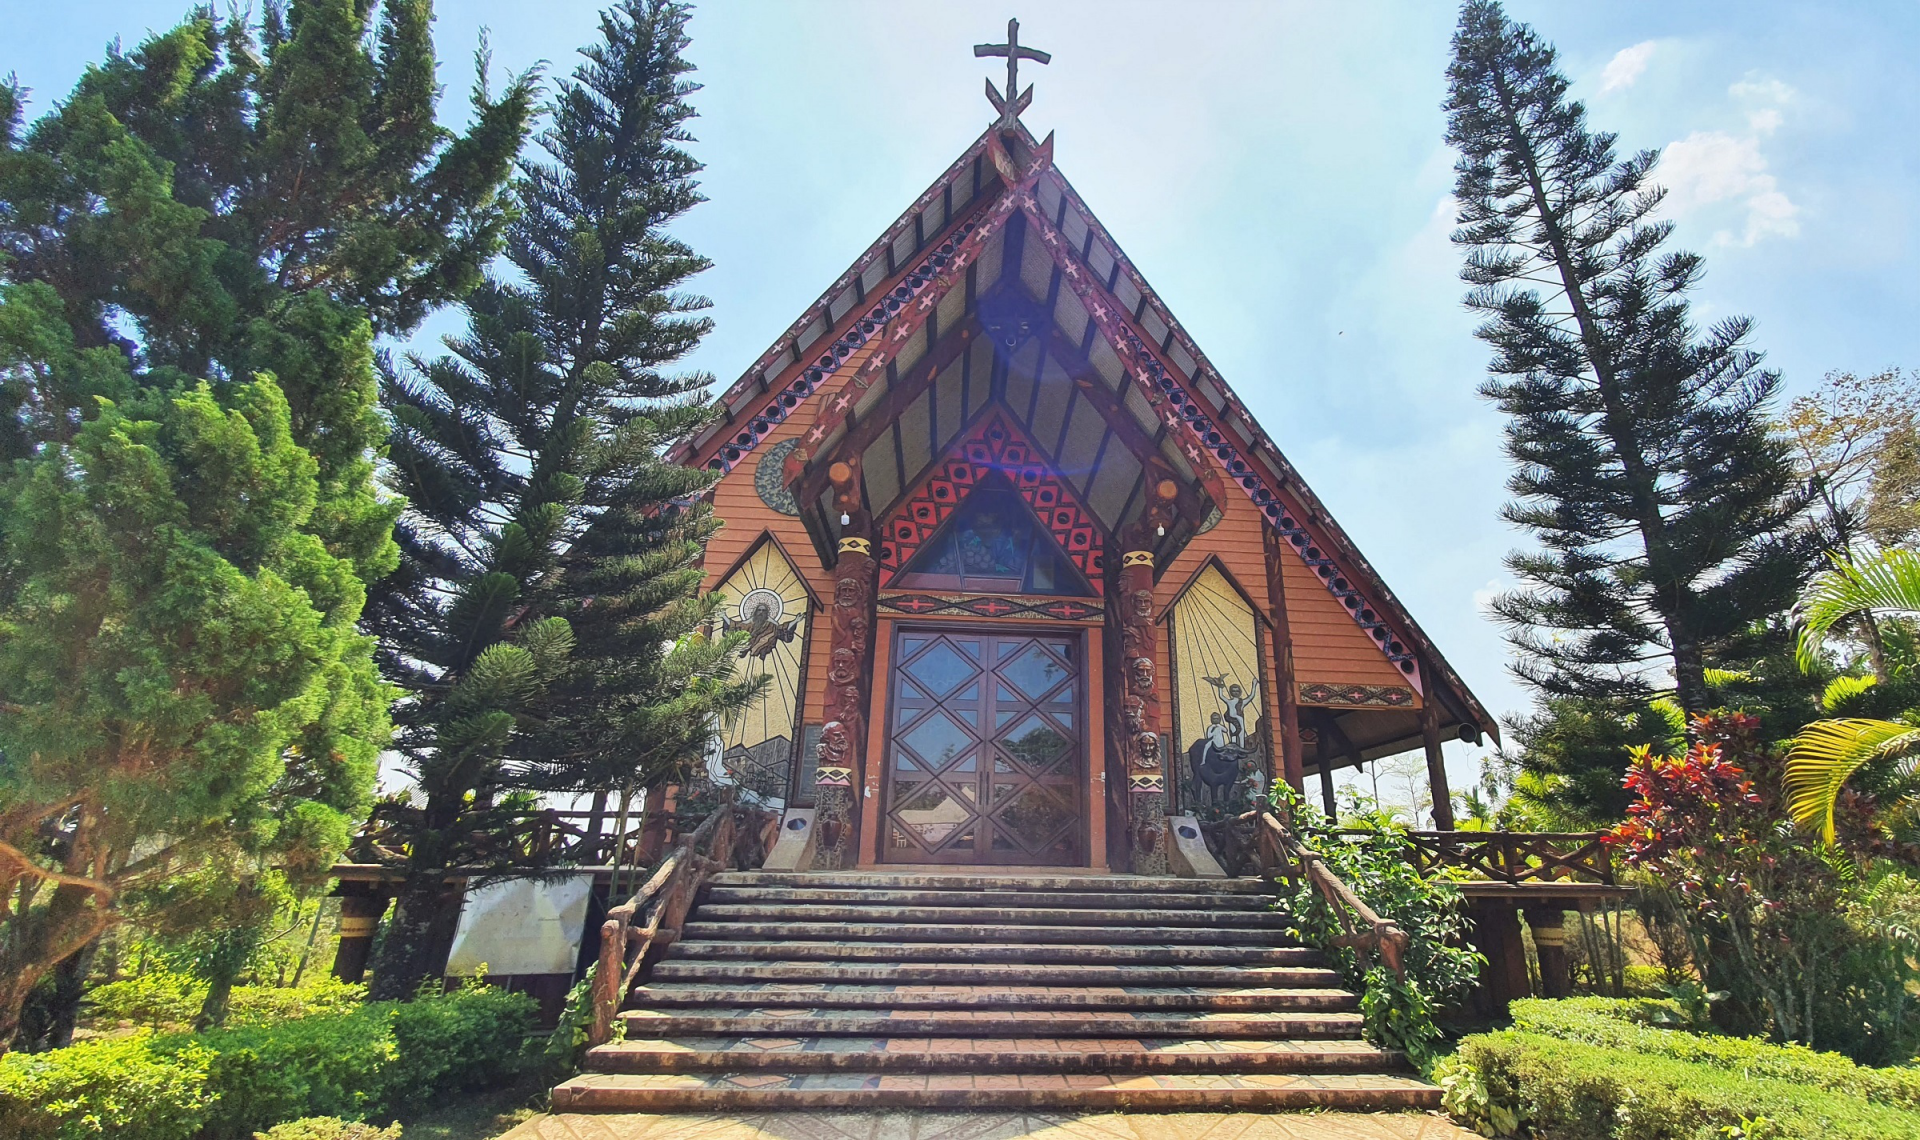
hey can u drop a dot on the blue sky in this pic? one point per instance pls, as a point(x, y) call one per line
point(1277, 171)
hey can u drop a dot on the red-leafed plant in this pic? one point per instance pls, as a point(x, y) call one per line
point(1766, 912)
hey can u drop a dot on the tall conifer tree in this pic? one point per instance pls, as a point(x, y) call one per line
point(197, 250)
point(1667, 513)
point(548, 554)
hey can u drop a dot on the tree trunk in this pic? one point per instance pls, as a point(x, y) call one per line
point(419, 936)
point(213, 1010)
point(36, 940)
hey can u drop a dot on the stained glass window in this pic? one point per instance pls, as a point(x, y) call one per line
point(993, 544)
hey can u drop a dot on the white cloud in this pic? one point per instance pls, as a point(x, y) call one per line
point(1764, 97)
point(1709, 167)
point(1626, 66)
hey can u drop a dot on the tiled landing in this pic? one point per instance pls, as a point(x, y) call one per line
point(990, 1126)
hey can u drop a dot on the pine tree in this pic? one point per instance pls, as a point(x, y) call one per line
point(197, 250)
point(1668, 514)
point(549, 554)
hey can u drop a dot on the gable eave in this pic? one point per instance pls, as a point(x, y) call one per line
point(787, 353)
point(1256, 443)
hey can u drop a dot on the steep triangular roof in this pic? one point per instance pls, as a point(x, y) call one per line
point(880, 319)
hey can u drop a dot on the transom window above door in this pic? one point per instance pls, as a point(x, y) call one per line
point(993, 544)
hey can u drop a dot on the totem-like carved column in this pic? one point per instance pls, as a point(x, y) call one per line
point(1140, 700)
point(1292, 765)
point(849, 675)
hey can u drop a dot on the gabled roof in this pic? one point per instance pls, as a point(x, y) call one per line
point(875, 320)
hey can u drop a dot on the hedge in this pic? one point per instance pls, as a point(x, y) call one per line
point(369, 1062)
point(1593, 1069)
point(1620, 1024)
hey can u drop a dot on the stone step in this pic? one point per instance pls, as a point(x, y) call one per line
point(972, 881)
point(992, 973)
point(989, 916)
point(661, 995)
point(986, 1055)
point(1025, 953)
point(969, 932)
point(1143, 1092)
point(1098, 900)
point(824, 1021)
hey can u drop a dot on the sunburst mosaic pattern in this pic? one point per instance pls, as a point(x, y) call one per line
point(764, 599)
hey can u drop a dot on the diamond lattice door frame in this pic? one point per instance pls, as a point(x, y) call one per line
point(986, 749)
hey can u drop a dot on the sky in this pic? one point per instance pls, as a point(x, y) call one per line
point(1278, 172)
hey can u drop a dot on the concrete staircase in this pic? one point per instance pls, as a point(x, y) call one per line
point(923, 990)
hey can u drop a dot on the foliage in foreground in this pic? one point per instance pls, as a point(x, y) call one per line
point(549, 578)
point(372, 1062)
point(164, 1000)
point(1589, 1069)
point(1440, 967)
point(1806, 944)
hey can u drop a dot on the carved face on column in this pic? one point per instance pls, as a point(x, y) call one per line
point(834, 742)
point(856, 627)
point(1134, 710)
point(846, 592)
point(845, 669)
point(1140, 670)
point(1142, 606)
point(1146, 751)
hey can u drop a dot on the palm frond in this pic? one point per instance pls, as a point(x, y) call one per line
point(1888, 582)
point(1842, 690)
point(1827, 753)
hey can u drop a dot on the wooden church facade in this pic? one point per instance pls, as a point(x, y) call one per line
point(1027, 577)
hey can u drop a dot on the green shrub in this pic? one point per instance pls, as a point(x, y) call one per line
point(1572, 1090)
point(165, 1000)
point(157, 1000)
point(328, 1128)
point(460, 1040)
point(368, 1061)
point(266, 1005)
point(1631, 1025)
point(1440, 968)
point(332, 1064)
point(124, 1088)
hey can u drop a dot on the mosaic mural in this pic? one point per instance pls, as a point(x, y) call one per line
point(1220, 732)
point(765, 599)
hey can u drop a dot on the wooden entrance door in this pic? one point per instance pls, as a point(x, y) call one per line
point(986, 749)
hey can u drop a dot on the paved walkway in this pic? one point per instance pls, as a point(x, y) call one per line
point(991, 1126)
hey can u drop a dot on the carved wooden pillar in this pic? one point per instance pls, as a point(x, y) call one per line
point(1548, 924)
point(1436, 761)
point(1132, 604)
point(1292, 766)
point(361, 905)
point(849, 678)
point(1323, 749)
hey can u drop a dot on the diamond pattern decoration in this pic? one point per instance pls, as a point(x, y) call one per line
point(1034, 671)
point(996, 445)
point(938, 739)
point(941, 669)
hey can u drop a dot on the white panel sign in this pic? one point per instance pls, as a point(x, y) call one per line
point(521, 926)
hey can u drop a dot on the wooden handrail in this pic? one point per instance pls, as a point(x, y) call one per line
point(1512, 856)
point(1362, 929)
point(664, 899)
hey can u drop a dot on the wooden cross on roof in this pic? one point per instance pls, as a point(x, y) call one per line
point(1015, 100)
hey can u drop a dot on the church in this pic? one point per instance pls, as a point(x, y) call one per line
point(1027, 576)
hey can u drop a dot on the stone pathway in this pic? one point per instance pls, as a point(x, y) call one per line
point(991, 1126)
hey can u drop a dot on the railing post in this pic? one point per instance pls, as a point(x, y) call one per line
point(606, 980)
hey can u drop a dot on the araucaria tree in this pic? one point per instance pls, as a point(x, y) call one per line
point(1667, 514)
point(548, 554)
point(197, 251)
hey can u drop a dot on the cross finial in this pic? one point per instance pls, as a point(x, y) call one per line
point(1015, 100)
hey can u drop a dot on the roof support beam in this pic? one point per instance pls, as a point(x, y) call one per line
point(900, 393)
point(1192, 505)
